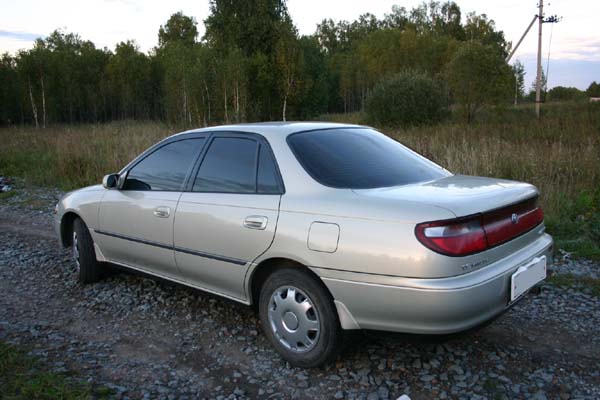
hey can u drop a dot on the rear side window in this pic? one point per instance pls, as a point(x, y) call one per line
point(165, 168)
point(267, 177)
point(360, 159)
point(228, 167)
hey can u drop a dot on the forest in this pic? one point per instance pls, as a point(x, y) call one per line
point(252, 65)
point(442, 75)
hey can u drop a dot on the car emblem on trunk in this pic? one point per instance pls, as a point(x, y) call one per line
point(514, 218)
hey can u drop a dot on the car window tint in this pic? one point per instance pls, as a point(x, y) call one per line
point(267, 180)
point(229, 166)
point(165, 168)
point(360, 159)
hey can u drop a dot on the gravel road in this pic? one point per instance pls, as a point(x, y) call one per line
point(151, 339)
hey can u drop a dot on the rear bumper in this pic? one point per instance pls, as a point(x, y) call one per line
point(435, 306)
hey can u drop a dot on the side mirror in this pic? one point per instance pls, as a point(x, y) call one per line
point(110, 181)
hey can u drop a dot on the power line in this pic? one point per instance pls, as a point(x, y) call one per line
point(548, 58)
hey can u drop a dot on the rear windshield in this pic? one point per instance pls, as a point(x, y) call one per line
point(360, 158)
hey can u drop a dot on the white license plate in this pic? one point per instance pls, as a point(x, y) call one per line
point(527, 276)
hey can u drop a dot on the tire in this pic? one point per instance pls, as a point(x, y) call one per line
point(89, 269)
point(304, 329)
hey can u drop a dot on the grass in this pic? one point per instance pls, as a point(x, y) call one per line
point(493, 388)
point(24, 377)
point(7, 195)
point(560, 154)
point(71, 156)
point(573, 281)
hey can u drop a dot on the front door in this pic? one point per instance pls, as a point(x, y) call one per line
point(136, 221)
point(228, 217)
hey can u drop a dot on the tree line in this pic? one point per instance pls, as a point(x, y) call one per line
point(251, 64)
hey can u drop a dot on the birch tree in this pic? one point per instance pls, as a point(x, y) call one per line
point(287, 58)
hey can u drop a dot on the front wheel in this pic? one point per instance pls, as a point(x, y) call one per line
point(88, 268)
point(299, 318)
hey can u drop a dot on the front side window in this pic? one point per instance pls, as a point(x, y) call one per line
point(228, 167)
point(358, 158)
point(165, 168)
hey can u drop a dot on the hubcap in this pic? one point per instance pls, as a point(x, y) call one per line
point(290, 321)
point(76, 249)
point(294, 319)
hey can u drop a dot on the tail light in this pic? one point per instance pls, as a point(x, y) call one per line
point(453, 237)
point(468, 235)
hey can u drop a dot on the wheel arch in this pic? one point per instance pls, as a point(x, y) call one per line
point(265, 268)
point(66, 227)
point(268, 266)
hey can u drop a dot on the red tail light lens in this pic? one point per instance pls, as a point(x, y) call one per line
point(504, 225)
point(453, 237)
point(469, 235)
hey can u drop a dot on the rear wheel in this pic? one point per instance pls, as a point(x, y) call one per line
point(88, 268)
point(299, 318)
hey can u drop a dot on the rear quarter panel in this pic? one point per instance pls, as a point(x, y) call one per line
point(374, 237)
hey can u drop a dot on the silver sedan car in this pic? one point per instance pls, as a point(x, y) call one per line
point(323, 227)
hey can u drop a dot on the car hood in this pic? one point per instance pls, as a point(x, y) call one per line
point(460, 194)
point(93, 188)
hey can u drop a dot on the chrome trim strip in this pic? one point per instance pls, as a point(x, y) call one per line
point(179, 249)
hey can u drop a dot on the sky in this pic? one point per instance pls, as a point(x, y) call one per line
point(574, 48)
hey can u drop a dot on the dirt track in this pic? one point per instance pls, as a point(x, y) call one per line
point(146, 338)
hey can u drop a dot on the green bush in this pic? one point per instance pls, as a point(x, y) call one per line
point(408, 98)
point(561, 93)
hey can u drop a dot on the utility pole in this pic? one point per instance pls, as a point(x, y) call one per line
point(538, 80)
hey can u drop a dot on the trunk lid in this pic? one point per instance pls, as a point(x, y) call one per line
point(506, 211)
point(460, 194)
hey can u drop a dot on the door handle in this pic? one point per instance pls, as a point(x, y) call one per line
point(162, 212)
point(256, 222)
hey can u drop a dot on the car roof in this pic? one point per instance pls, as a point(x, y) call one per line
point(273, 128)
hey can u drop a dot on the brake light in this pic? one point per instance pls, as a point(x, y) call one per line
point(458, 237)
point(468, 235)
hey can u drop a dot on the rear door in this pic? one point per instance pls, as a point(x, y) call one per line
point(228, 216)
point(136, 221)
